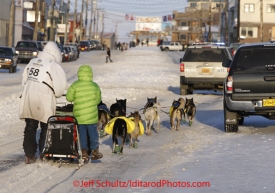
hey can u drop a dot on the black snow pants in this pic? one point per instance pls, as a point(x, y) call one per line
point(29, 143)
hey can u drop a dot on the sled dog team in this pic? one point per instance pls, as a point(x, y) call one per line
point(131, 127)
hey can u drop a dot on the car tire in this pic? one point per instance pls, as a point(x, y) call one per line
point(14, 68)
point(229, 128)
point(185, 90)
point(166, 49)
point(240, 120)
point(11, 69)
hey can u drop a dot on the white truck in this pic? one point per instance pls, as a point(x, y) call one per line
point(171, 46)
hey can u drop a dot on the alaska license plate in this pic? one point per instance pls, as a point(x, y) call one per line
point(268, 102)
point(205, 70)
point(82, 48)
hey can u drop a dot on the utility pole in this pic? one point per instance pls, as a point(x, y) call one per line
point(97, 19)
point(86, 19)
point(238, 22)
point(209, 16)
point(37, 6)
point(226, 23)
point(11, 24)
point(52, 17)
point(102, 28)
point(66, 21)
point(91, 19)
point(201, 21)
point(81, 20)
point(261, 24)
point(74, 26)
point(220, 21)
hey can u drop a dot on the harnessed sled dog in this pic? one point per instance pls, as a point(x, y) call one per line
point(190, 110)
point(152, 114)
point(103, 118)
point(136, 118)
point(176, 113)
point(150, 103)
point(117, 126)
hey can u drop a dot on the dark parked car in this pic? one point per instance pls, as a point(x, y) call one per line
point(249, 87)
point(8, 58)
point(28, 49)
point(84, 45)
point(62, 50)
point(68, 56)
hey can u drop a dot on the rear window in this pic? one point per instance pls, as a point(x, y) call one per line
point(256, 59)
point(205, 55)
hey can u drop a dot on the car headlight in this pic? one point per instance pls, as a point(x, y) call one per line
point(17, 52)
point(7, 61)
point(34, 53)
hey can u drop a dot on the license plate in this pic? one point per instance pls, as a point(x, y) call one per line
point(268, 102)
point(82, 48)
point(205, 70)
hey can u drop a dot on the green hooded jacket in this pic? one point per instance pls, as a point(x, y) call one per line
point(86, 95)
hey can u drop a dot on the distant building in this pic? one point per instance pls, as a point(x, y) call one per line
point(4, 22)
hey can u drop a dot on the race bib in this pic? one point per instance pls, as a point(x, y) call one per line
point(38, 69)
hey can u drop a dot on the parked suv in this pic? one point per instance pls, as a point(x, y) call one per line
point(249, 88)
point(8, 58)
point(27, 49)
point(201, 68)
point(84, 45)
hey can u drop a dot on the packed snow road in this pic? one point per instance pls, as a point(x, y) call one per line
point(198, 158)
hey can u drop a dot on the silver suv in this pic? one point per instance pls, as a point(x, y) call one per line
point(201, 68)
point(249, 88)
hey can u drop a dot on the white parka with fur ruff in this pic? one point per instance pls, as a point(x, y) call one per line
point(43, 81)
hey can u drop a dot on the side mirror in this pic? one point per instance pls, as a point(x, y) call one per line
point(226, 63)
point(181, 60)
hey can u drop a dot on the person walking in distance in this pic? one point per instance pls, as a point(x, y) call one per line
point(43, 80)
point(86, 95)
point(108, 56)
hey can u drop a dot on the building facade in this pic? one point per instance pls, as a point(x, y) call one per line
point(4, 22)
point(199, 23)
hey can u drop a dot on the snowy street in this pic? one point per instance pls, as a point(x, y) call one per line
point(201, 155)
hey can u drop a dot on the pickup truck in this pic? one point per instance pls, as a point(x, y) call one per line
point(171, 46)
point(28, 49)
point(249, 87)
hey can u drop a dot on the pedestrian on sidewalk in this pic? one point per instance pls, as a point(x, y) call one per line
point(43, 81)
point(86, 95)
point(108, 56)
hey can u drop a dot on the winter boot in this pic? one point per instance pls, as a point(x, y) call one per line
point(96, 154)
point(30, 159)
point(85, 155)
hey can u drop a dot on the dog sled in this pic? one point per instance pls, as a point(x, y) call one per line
point(62, 142)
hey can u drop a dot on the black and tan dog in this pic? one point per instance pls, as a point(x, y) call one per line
point(176, 113)
point(190, 110)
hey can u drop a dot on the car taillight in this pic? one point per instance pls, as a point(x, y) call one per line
point(229, 84)
point(182, 67)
